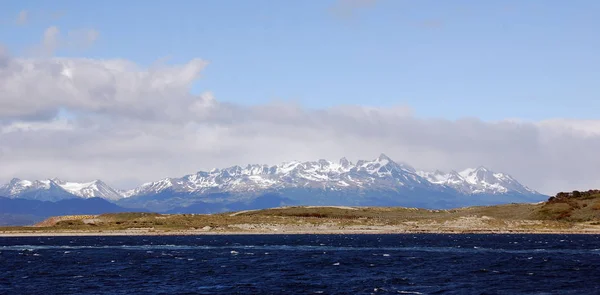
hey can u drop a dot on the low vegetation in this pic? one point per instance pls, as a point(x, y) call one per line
point(573, 206)
point(574, 211)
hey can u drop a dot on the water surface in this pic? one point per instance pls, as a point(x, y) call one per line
point(302, 264)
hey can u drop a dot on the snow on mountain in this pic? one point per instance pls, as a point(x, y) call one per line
point(380, 174)
point(17, 186)
point(56, 189)
point(94, 189)
point(477, 181)
point(321, 174)
point(43, 190)
point(489, 181)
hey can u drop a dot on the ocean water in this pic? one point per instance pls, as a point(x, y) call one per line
point(302, 264)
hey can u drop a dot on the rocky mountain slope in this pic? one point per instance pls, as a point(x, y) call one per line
point(379, 182)
point(322, 174)
point(56, 189)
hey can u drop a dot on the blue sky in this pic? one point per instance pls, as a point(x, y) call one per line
point(280, 69)
point(493, 60)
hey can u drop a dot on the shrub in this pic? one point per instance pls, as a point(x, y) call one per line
point(564, 215)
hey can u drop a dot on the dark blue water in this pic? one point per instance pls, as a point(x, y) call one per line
point(302, 264)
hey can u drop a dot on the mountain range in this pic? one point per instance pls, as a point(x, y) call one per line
point(379, 182)
point(56, 190)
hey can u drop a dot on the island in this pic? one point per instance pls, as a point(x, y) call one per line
point(566, 213)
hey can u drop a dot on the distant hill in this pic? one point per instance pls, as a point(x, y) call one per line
point(572, 206)
point(27, 212)
point(568, 213)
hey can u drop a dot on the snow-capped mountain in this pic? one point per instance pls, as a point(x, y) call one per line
point(43, 190)
point(379, 173)
point(93, 189)
point(322, 174)
point(377, 182)
point(477, 181)
point(56, 189)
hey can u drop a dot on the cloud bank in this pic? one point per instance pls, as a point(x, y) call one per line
point(82, 119)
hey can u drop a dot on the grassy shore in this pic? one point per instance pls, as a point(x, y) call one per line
point(567, 214)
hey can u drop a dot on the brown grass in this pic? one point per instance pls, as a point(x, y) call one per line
point(559, 214)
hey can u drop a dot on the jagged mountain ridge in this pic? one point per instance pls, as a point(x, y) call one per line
point(477, 181)
point(56, 189)
point(321, 174)
point(381, 174)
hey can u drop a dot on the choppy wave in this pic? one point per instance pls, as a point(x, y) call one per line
point(456, 249)
point(334, 264)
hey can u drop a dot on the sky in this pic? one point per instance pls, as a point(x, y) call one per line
point(136, 92)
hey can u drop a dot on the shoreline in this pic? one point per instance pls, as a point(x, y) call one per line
point(501, 220)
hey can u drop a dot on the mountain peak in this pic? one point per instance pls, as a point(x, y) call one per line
point(57, 181)
point(15, 181)
point(482, 168)
point(383, 157)
point(98, 182)
point(345, 163)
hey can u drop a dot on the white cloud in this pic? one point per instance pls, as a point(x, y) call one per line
point(582, 128)
point(56, 124)
point(126, 124)
point(38, 88)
